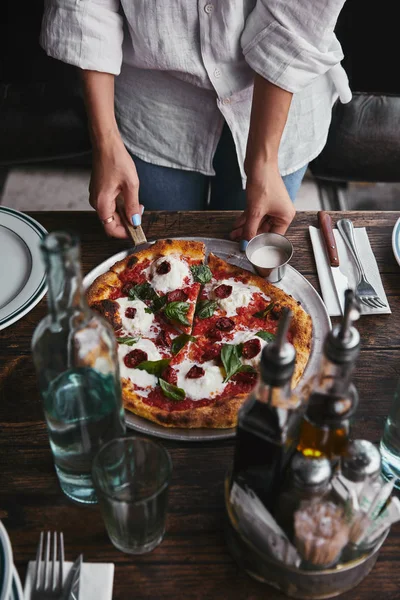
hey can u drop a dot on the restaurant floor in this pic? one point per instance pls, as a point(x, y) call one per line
point(33, 188)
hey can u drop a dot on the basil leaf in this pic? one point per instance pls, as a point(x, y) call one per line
point(148, 311)
point(179, 342)
point(159, 303)
point(201, 273)
point(176, 311)
point(154, 367)
point(206, 308)
point(129, 341)
point(266, 336)
point(263, 313)
point(172, 391)
point(247, 369)
point(142, 291)
point(230, 356)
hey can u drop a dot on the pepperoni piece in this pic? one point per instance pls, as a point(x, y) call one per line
point(211, 353)
point(134, 358)
point(170, 375)
point(251, 348)
point(223, 291)
point(214, 334)
point(195, 372)
point(130, 312)
point(163, 268)
point(246, 378)
point(224, 324)
point(163, 339)
point(177, 296)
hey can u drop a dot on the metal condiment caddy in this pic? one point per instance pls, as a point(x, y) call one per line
point(307, 517)
point(293, 581)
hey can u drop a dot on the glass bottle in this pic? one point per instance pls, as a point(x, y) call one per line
point(390, 442)
point(325, 428)
point(268, 421)
point(307, 479)
point(75, 357)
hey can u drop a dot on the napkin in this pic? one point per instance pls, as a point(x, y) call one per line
point(96, 580)
point(348, 268)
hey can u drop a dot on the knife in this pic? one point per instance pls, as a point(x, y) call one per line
point(339, 280)
point(71, 587)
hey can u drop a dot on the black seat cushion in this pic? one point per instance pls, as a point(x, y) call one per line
point(363, 142)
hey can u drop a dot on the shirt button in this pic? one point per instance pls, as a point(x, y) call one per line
point(226, 101)
point(217, 73)
point(209, 8)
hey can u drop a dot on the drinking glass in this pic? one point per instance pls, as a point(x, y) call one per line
point(131, 477)
point(390, 442)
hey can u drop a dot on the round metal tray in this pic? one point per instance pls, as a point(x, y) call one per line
point(293, 283)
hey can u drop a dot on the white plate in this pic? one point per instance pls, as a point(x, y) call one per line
point(22, 272)
point(396, 241)
point(293, 283)
point(6, 564)
point(16, 587)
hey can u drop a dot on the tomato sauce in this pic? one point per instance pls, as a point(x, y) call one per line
point(135, 274)
point(156, 397)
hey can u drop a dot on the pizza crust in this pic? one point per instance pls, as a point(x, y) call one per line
point(194, 250)
point(103, 287)
point(221, 414)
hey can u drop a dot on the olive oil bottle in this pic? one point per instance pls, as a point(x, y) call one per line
point(325, 428)
point(268, 421)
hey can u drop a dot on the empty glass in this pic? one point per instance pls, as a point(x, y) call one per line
point(390, 442)
point(131, 476)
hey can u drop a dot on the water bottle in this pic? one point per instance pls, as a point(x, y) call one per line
point(75, 357)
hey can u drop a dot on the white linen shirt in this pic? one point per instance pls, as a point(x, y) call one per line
point(186, 66)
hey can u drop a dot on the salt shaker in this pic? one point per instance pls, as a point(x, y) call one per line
point(361, 463)
point(307, 479)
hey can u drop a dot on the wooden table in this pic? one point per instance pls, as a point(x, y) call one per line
point(192, 561)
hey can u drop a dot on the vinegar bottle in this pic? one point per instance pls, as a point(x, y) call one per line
point(325, 429)
point(268, 421)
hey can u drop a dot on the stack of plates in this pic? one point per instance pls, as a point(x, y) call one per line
point(21, 265)
point(10, 583)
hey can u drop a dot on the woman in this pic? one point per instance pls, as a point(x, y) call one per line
point(219, 105)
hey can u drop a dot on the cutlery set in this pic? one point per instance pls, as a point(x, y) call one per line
point(48, 580)
point(364, 291)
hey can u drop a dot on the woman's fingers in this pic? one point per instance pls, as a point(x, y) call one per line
point(105, 206)
point(130, 192)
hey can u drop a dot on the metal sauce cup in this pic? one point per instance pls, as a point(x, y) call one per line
point(276, 240)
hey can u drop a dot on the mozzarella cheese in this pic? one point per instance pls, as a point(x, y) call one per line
point(174, 279)
point(142, 379)
point(241, 295)
point(142, 321)
point(209, 385)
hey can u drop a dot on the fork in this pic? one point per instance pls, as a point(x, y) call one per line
point(47, 584)
point(364, 290)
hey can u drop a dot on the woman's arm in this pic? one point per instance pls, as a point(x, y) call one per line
point(113, 170)
point(269, 207)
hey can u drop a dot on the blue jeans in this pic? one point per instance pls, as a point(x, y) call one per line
point(164, 188)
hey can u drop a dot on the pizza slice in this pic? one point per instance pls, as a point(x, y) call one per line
point(161, 282)
point(242, 309)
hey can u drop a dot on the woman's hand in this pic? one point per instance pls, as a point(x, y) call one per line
point(114, 173)
point(269, 207)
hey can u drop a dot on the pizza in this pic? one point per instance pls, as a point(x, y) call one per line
point(190, 332)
